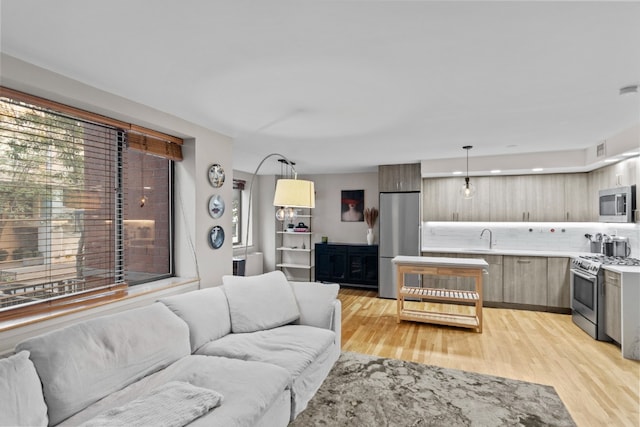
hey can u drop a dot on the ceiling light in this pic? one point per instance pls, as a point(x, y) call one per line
point(611, 160)
point(468, 190)
point(496, 171)
point(537, 169)
point(457, 172)
point(629, 90)
point(631, 153)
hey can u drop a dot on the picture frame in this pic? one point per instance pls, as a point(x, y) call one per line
point(352, 206)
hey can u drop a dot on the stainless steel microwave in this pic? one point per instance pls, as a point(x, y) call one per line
point(617, 204)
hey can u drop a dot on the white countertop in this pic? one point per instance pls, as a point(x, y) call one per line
point(623, 269)
point(440, 262)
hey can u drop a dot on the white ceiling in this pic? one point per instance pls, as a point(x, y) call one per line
point(342, 86)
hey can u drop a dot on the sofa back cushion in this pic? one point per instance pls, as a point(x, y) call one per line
point(82, 363)
point(260, 302)
point(206, 311)
point(316, 302)
point(21, 399)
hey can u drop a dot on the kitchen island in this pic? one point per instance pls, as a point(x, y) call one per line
point(440, 266)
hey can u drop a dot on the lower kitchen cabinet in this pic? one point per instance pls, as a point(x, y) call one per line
point(355, 265)
point(525, 280)
point(558, 282)
point(612, 306)
point(491, 283)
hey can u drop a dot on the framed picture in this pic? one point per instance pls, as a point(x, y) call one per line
point(352, 206)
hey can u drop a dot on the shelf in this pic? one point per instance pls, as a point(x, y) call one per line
point(284, 248)
point(294, 233)
point(301, 266)
point(440, 294)
point(465, 321)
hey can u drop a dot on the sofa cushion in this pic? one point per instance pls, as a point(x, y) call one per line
point(206, 311)
point(315, 301)
point(249, 390)
point(82, 363)
point(260, 302)
point(293, 347)
point(21, 399)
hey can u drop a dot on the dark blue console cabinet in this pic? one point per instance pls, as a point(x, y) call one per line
point(347, 264)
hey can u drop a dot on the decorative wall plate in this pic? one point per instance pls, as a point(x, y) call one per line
point(216, 237)
point(216, 206)
point(216, 175)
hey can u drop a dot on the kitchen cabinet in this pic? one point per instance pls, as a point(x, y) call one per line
point(442, 200)
point(525, 280)
point(492, 282)
point(399, 178)
point(551, 197)
point(626, 172)
point(355, 265)
point(558, 282)
point(576, 201)
point(612, 304)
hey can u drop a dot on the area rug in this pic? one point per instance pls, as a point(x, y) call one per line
point(370, 391)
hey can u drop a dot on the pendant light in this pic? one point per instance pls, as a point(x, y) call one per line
point(468, 190)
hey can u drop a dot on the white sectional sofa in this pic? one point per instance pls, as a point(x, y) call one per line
point(252, 352)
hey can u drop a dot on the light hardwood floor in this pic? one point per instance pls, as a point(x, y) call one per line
point(597, 385)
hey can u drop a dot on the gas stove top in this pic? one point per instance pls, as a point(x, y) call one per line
point(592, 263)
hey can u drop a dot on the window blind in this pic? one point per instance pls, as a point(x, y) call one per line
point(58, 195)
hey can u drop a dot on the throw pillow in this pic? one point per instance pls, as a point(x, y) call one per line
point(260, 302)
point(21, 398)
point(316, 302)
point(205, 311)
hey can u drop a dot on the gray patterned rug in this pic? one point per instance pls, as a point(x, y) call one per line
point(364, 390)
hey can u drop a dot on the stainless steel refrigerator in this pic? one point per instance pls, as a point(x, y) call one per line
point(399, 235)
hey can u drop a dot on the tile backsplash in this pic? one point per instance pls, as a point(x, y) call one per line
point(562, 236)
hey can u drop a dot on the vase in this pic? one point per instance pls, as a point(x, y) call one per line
point(370, 236)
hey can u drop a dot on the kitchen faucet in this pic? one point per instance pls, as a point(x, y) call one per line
point(490, 237)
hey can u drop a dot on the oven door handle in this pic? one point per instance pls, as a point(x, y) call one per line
point(577, 273)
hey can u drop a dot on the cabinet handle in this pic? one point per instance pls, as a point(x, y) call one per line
point(524, 216)
point(524, 261)
point(567, 216)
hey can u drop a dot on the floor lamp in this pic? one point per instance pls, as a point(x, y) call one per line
point(289, 194)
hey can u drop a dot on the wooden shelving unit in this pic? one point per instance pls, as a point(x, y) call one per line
point(435, 266)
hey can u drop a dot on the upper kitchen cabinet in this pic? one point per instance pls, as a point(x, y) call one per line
point(626, 172)
point(576, 205)
point(552, 197)
point(399, 178)
point(442, 200)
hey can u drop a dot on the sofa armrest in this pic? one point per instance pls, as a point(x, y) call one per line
point(318, 304)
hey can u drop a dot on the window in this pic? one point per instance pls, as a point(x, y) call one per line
point(84, 207)
point(237, 216)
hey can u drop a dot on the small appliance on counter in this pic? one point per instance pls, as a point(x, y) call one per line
point(616, 246)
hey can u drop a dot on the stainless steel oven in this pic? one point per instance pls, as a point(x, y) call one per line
point(587, 298)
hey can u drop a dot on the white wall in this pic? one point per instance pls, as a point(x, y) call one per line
point(327, 214)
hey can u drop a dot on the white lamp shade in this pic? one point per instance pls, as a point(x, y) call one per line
point(294, 193)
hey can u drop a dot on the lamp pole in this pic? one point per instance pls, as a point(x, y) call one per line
point(253, 177)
